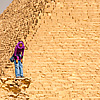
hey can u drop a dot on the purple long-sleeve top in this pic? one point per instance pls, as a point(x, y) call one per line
point(19, 50)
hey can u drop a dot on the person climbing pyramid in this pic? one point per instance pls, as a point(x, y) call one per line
point(18, 59)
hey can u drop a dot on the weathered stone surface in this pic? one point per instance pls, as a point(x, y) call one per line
point(62, 39)
point(15, 87)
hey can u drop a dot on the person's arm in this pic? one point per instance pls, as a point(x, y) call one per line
point(22, 54)
point(15, 52)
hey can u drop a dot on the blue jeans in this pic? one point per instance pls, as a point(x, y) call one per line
point(18, 68)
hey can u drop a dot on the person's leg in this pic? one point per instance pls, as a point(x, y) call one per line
point(21, 68)
point(17, 73)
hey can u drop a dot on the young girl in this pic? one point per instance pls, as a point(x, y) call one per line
point(18, 59)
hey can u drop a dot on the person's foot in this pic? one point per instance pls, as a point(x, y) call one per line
point(22, 77)
point(18, 77)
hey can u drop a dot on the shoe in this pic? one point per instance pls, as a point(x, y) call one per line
point(22, 77)
point(18, 77)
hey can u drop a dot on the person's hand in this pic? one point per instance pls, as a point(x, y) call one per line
point(21, 60)
point(16, 60)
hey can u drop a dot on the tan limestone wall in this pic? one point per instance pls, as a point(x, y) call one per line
point(16, 22)
point(63, 59)
point(63, 56)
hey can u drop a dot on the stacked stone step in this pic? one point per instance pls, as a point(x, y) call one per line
point(63, 57)
point(17, 23)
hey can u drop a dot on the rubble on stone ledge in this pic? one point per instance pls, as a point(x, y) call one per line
point(16, 87)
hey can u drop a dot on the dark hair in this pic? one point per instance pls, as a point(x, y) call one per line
point(20, 41)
